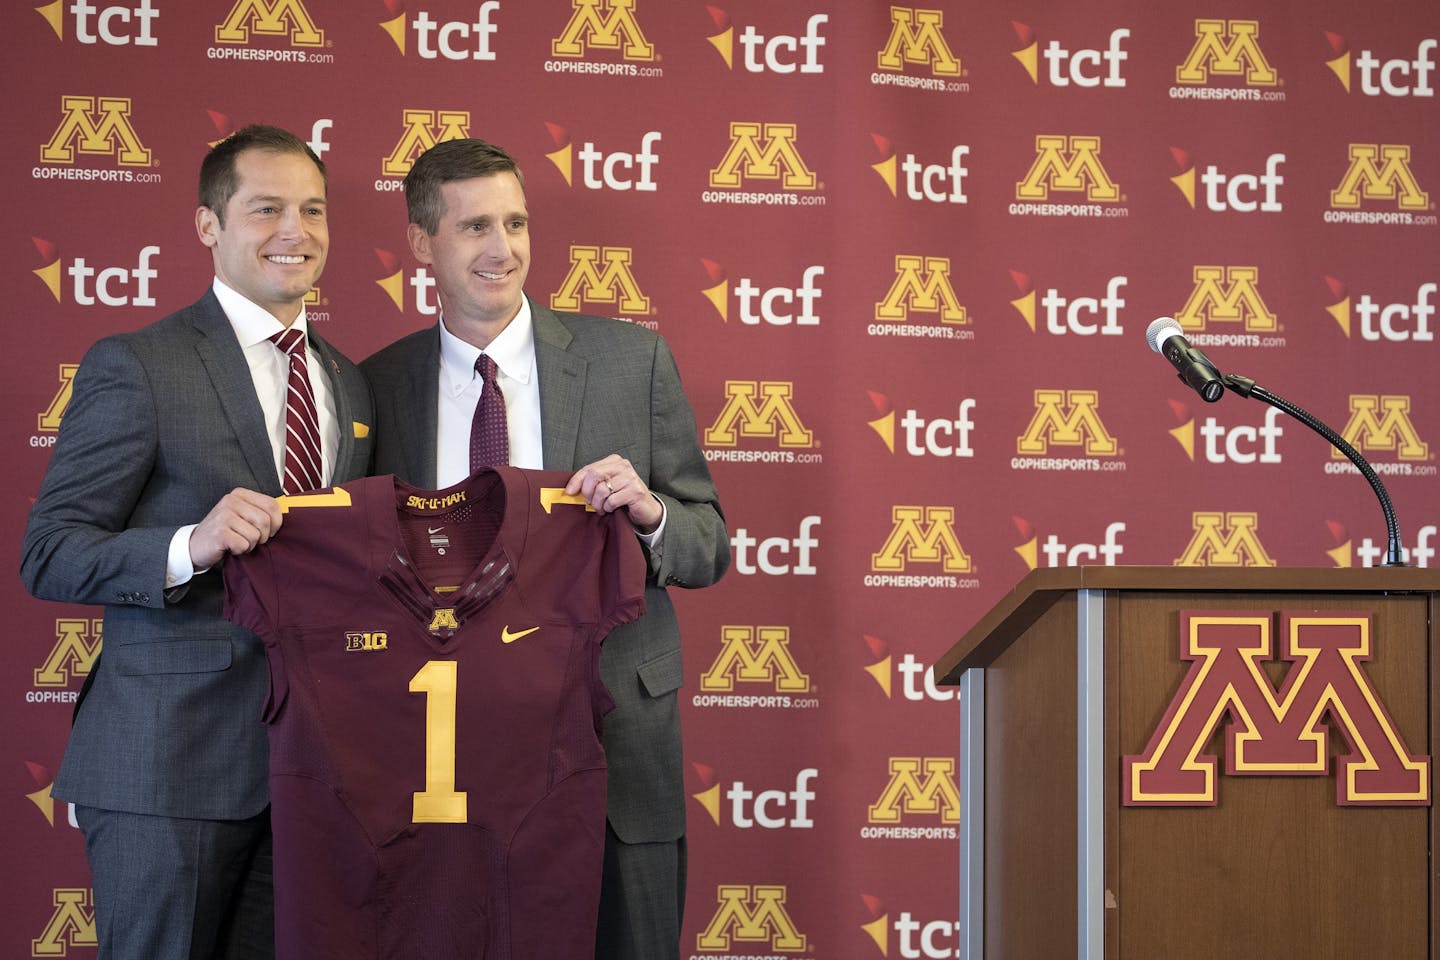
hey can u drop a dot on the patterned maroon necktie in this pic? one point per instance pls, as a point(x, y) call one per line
point(489, 438)
point(302, 423)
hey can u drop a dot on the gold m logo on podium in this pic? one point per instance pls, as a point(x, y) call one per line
point(1276, 731)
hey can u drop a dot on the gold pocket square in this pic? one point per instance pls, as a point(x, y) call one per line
point(362, 430)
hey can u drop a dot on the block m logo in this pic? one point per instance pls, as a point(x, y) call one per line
point(751, 914)
point(918, 785)
point(424, 129)
point(617, 30)
point(77, 645)
point(586, 281)
point(922, 535)
point(921, 283)
point(915, 37)
point(1379, 172)
point(49, 420)
point(1067, 163)
point(71, 925)
point(1276, 732)
point(1227, 49)
point(1070, 419)
point(777, 159)
point(1391, 430)
point(773, 416)
point(755, 655)
point(102, 127)
point(1224, 540)
point(1227, 295)
point(270, 20)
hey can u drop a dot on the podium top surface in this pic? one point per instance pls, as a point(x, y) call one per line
point(1014, 612)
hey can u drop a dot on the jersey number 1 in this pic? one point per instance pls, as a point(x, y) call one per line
point(439, 802)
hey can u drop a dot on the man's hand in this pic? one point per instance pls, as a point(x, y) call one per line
point(612, 484)
point(240, 522)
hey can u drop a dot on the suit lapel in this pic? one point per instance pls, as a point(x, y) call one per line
point(225, 364)
point(562, 388)
point(344, 409)
point(416, 412)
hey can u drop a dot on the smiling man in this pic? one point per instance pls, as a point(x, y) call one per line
point(595, 396)
point(177, 440)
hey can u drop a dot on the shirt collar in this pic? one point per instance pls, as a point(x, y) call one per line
point(513, 351)
point(252, 323)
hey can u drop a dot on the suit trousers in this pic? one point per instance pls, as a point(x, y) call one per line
point(168, 888)
point(642, 900)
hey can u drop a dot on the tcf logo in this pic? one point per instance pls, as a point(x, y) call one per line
point(448, 39)
point(775, 54)
point(1391, 322)
point(111, 286)
point(598, 170)
point(774, 809)
point(1072, 67)
point(1385, 77)
point(110, 25)
point(778, 306)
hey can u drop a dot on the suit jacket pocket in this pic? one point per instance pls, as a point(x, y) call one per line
point(662, 675)
point(170, 656)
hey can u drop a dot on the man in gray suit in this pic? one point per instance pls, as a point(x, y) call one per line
point(596, 396)
point(170, 456)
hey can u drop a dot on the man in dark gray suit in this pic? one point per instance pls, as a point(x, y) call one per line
point(596, 396)
point(169, 457)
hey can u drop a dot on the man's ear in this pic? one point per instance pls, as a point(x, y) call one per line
point(419, 243)
point(207, 226)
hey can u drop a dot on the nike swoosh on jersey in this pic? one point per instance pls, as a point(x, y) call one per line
point(506, 636)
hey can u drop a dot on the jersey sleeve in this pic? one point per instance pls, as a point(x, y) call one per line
point(251, 602)
point(622, 571)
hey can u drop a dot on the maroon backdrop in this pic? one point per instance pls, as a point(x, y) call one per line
point(905, 256)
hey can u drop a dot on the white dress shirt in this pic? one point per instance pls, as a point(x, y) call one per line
point(513, 351)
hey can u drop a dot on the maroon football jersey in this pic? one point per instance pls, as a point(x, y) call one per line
point(436, 775)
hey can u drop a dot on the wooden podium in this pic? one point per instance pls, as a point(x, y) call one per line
point(1075, 670)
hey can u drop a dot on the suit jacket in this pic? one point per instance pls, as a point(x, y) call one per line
point(605, 387)
point(162, 423)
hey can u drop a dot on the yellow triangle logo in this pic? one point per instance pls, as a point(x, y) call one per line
point(396, 29)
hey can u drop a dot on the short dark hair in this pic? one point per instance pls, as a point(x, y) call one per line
point(446, 162)
point(218, 179)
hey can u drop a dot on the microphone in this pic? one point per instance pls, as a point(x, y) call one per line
point(1195, 369)
point(1166, 338)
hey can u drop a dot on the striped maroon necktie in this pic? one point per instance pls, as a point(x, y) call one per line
point(489, 437)
point(302, 423)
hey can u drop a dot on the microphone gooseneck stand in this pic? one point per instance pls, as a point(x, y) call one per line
point(1246, 387)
